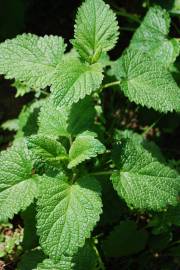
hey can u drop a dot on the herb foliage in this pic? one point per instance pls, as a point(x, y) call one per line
point(62, 162)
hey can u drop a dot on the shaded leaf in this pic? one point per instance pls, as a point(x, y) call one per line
point(125, 240)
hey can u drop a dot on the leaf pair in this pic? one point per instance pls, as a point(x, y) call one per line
point(38, 61)
point(52, 152)
point(65, 209)
point(96, 31)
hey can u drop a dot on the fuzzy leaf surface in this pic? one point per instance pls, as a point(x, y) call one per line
point(74, 80)
point(48, 264)
point(146, 82)
point(46, 149)
point(85, 256)
point(31, 59)
point(142, 181)
point(81, 116)
point(96, 30)
point(17, 185)
point(152, 37)
point(63, 122)
point(11, 125)
point(67, 211)
point(52, 120)
point(27, 120)
point(85, 146)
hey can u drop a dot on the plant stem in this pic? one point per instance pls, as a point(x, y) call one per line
point(44, 92)
point(148, 3)
point(122, 12)
point(102, 173)
point(128, 15)
point(62, 157)
point(73, 178)
point(101, 264)
point(70, 140)
point(111, 84)
point(98, 235)
point(151, 126)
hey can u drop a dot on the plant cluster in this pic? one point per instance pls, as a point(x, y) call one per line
point(79, 185)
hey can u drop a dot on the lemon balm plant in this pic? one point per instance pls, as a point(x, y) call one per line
point(63, 173)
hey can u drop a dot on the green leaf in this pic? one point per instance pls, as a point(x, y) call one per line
point(52, 120)
point(86, 256)
point(31, 59)
point(46, 149)
point(84, 147)
point(71, 54)
point(81, 117)
point(125, 240)
point(60, 122)
point(159, 242)
point(171, 216)
point(146, 82)
point(16, 166)
point(47, 264)
point(27, 120)
point(142, 181)
point(30, 260)
point(138, 139)
point(68, 211)
point(152, 37)
point(96, 30)
point(163, 221)
point(105, 60)
point(74, 80)
point(114, 209)
point(18, 187)
point(21, 88)
point(11, 125)
point(176, 7)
